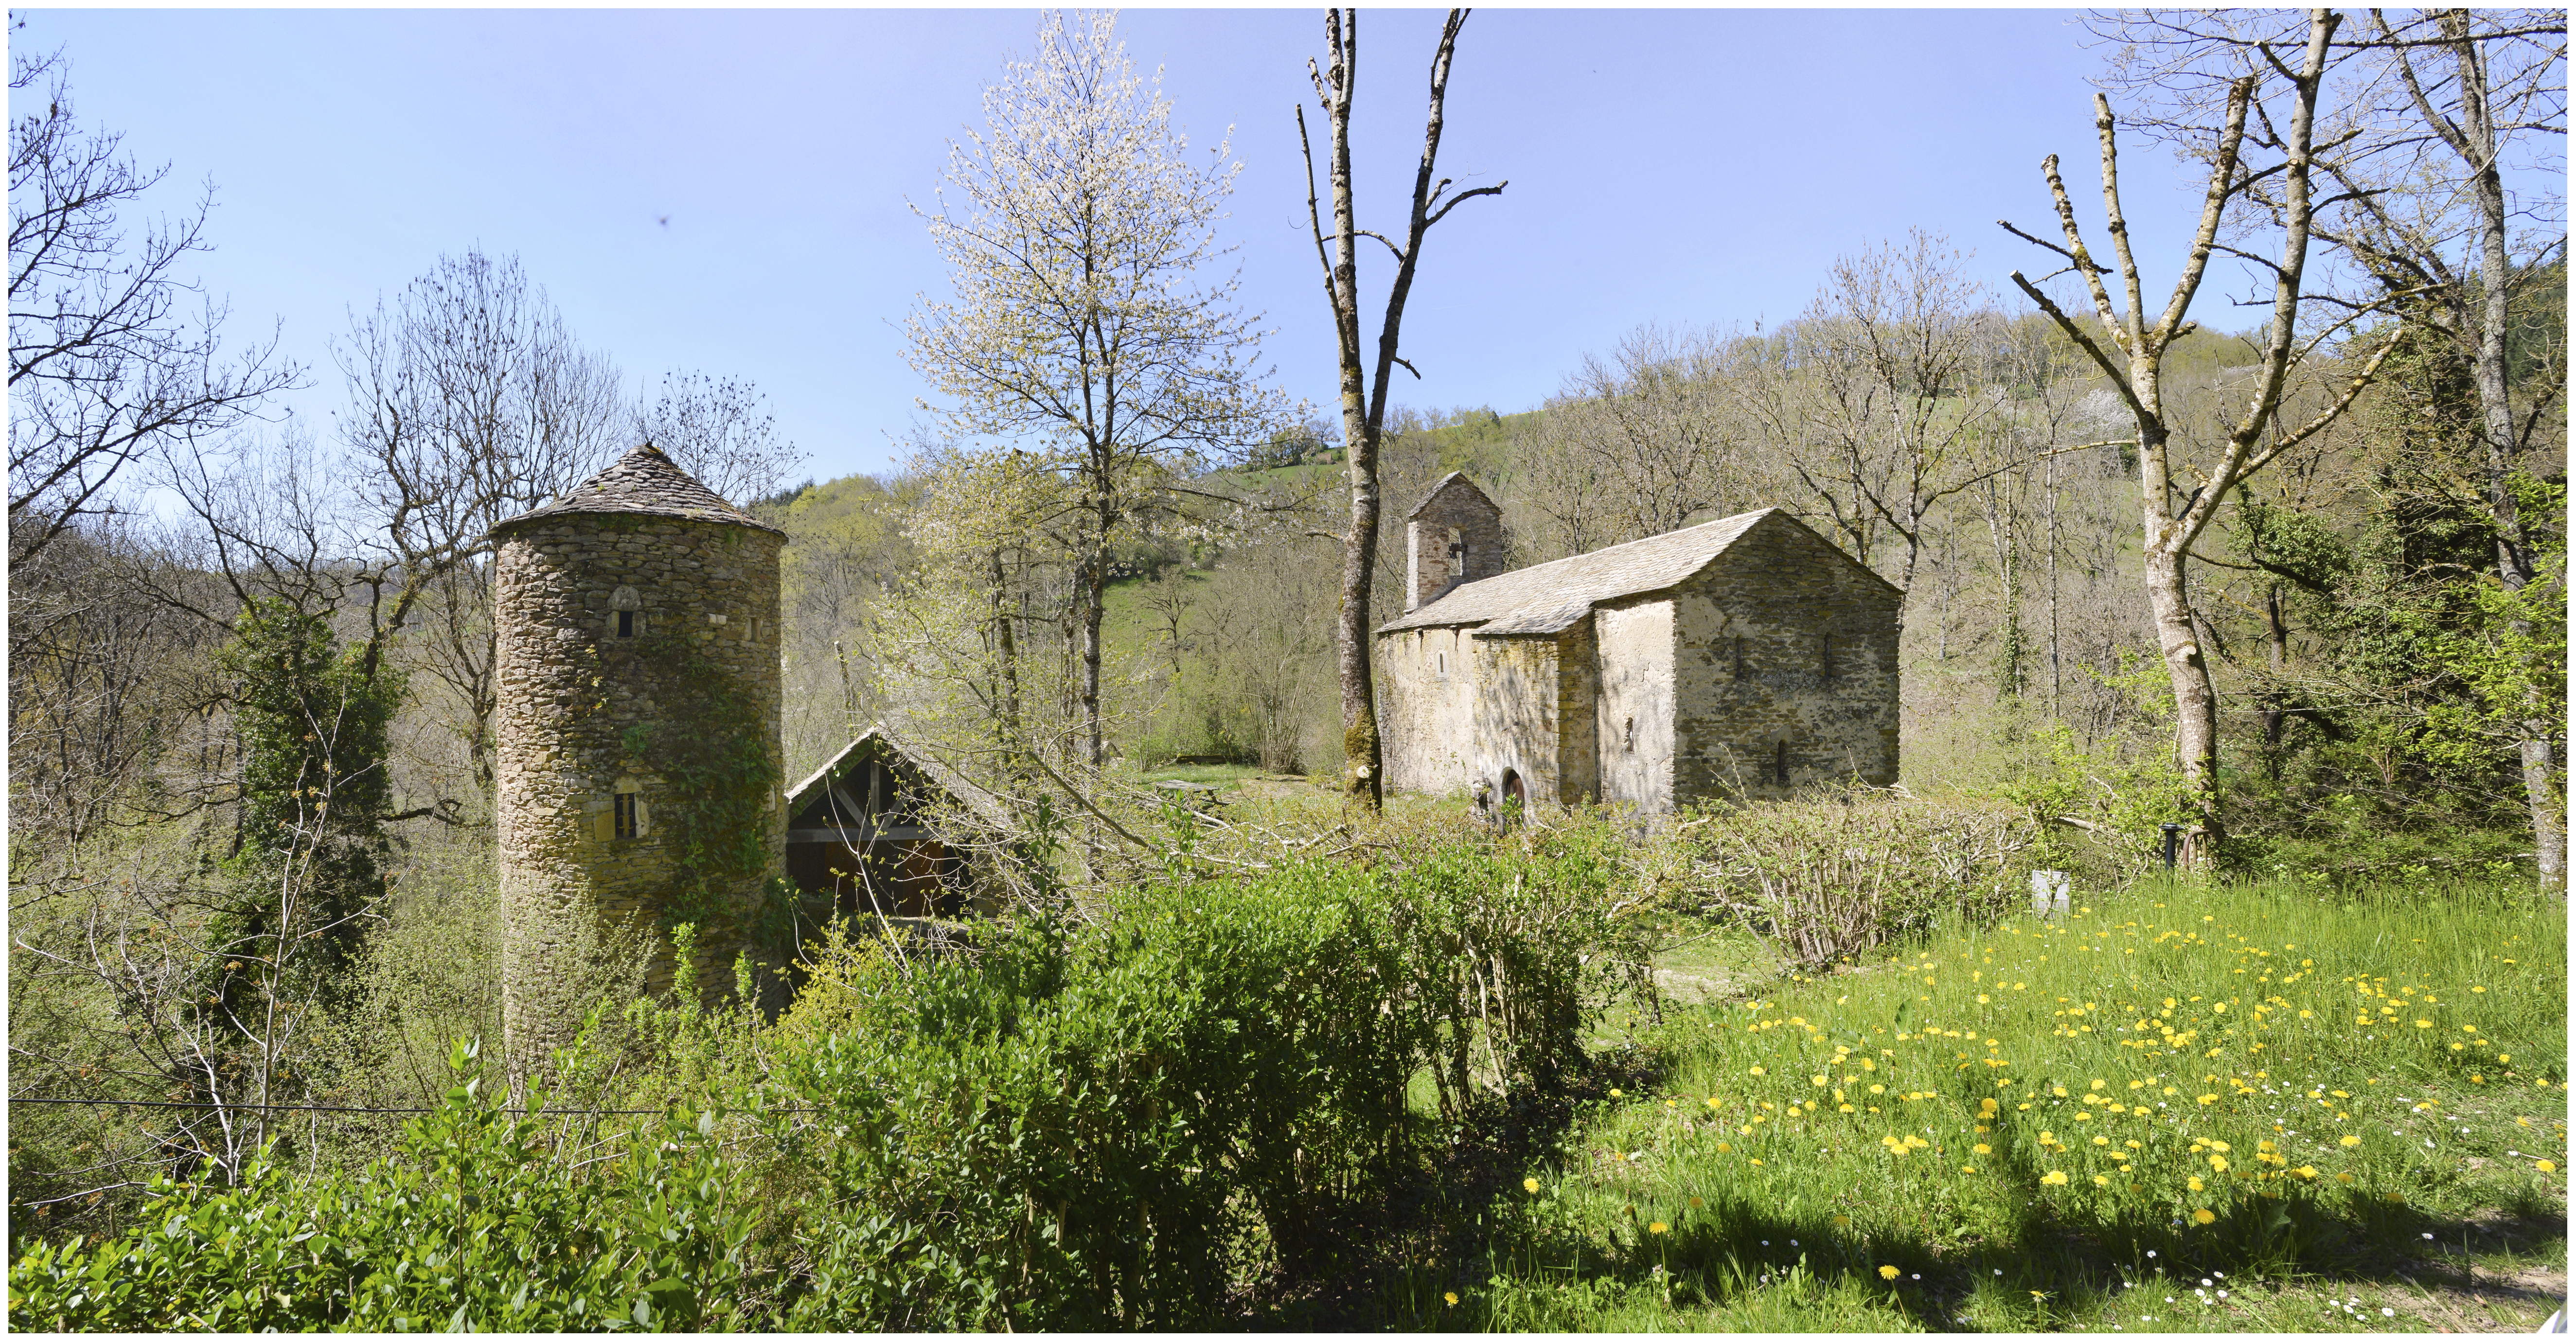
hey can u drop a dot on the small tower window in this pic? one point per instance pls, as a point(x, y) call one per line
point(626, 624)
point(630, 816)
point(629, 608)
point(1780, 763)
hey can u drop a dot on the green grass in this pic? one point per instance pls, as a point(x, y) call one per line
point(1220, 775)
point(2151, 1041)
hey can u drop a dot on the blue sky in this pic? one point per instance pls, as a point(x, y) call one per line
point(1676, 166)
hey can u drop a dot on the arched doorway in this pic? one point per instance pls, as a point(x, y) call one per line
point(1514, 796)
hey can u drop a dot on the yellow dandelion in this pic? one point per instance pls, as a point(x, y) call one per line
point(1450, 1296)
point(1887, 1272)
point(2218, 1163)
point(2098, 1179)
point(1529, 1185)
point(2204, 1216)
point(1655, 1227)
point(1982, 1149)
point(1614, 1092)
point(1696, 1204)
point(1817, 1079)
point(2053, 1177)
point(2545, 1166)
point(2348, 1140)
point(2305, 1171)
point(1842, 1220)
point(2196, 1185)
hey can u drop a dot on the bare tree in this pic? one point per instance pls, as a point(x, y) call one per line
point(1363, 396)
point(1080, 318)
point(2254, 440)
point(105, 363)
point(1640, 442)
point(469, 401)
point(1889, 412)
point(716, 430)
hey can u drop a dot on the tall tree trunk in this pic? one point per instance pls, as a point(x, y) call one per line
point(1364, 410)
point(1007, 645)
point(1362, 753)
point(2275, 699)
point(2514, 566)
point(2195, 698)
point(1095, 591)
point(2056, 675)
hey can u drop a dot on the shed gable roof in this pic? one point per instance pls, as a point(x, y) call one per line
point(1549, 598)
point(878, 740)
point(643, 481)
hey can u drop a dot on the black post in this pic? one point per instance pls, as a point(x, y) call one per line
point(2173, 833)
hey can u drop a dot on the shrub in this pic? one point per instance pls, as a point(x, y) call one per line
point(1830, 876)
point(484, 1220)
point(1119, 1122)
point(1108, 1127)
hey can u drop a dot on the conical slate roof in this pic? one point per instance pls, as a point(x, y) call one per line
point(643, 481)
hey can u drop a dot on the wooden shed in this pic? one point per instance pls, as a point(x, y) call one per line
point(856, 831)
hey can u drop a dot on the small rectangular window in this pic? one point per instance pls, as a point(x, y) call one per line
point(1828, 657)
point(1739, 658)
point(626, 624)
point(627, 816)
point(1441, 661)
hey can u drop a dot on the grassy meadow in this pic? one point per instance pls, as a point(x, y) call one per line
point(2175, 1109)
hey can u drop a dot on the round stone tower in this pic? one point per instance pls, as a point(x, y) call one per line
point(636, 735)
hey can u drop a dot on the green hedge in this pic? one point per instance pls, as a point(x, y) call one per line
point(478, 1224)
point(1115, 1124)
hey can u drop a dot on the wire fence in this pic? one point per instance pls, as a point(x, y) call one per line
point(334, 1108)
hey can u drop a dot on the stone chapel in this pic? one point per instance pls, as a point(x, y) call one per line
point(1747, 656)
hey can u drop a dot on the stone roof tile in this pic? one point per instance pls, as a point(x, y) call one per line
point(1548, 598)
point(643, 481)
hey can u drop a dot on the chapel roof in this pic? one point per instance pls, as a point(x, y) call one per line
point(643, 481)
point(1549, 598)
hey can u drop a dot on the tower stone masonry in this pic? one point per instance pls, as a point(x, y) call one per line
point(636, 735)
